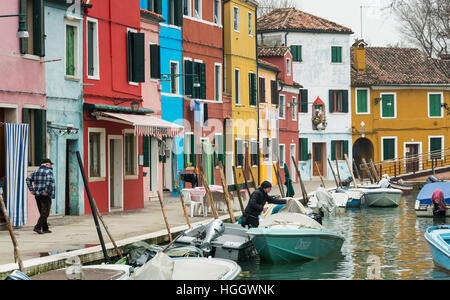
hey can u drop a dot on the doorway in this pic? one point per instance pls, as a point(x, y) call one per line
point(168, 164)
point(72, 206)
point(412, 161)
point(115, 171)
point(319, 155)
point(363, 148)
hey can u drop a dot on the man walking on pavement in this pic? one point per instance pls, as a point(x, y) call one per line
point(44, 191)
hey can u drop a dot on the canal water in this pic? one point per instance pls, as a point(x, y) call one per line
point(380, 243)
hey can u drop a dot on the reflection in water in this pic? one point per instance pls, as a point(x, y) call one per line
point(392, 236)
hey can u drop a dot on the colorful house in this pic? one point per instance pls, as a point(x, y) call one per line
point(241, 73)
point(22, 98)
point(204, 109)
point(397, 105)
point(288, 107)
point(64, 78)
point(321, 63)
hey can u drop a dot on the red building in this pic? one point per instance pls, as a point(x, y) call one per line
point(289, 100)
point(205, 108)
point(113, 71)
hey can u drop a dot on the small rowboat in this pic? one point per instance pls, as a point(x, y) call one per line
point(405, 188)
point(438, 238)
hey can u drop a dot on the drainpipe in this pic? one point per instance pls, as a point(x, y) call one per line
point(257, 98)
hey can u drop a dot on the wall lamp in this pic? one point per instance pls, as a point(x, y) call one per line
point(22, 32)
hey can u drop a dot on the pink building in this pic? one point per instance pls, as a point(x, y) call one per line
point(22, 87)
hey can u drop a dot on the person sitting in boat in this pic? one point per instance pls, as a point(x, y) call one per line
point(256, 204)
point(439, 207)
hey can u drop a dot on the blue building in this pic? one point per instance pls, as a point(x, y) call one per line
point(64, 84)
point(171, 66)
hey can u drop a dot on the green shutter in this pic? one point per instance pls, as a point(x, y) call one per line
point(138, 60)
point(303, 149)
point(252, 88)
point(146, 150)
point(361, 99)
point(38, 28)
point(388, 149)
point(202, 81)
point(331, 100)
point(304, 100)
point(345, 101)
point(346, 147)
point(40, 135)
point(158, 6)
point(178, 10)
point(333, 150)
point(155, 61)
point(435, 105)
point(388, 109)
point(196, 77)
point(70, 50)
point(188, 78)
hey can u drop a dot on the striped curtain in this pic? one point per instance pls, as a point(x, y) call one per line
point(16, 173)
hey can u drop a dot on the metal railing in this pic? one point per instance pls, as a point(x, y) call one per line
point(411, 165)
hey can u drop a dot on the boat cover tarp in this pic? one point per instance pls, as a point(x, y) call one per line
point(427, 191)
point(294, 206)
point(158, 268)
point(289, 221)
point(325, 201)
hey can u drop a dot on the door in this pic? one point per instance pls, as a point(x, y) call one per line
point(115, 164)
point(168, 165)
point(318, 159)
point(412, 159)
point(72, 179)
point(292, 170)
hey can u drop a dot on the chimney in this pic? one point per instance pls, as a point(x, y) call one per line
point(359, 55)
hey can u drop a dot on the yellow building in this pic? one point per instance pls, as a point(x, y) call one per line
point(240, 66)
point(268, 115)
point(397, 108)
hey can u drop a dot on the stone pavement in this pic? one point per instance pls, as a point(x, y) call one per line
point(79, 232)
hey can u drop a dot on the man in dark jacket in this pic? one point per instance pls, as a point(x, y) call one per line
point(256, 205)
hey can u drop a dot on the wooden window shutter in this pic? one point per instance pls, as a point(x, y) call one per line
point(196, 77)
point(435, 105)
point(388, 149)
point(70, 50)
point(38, 28)
point(333, 150)
point(178, 9)
point(155, 61)
point(331, 100)
point(202, 81)
point(346, 147)
point(252, 88)
point(274, 92)
point(304, 101)
point(138, 68)
point(157, 6)
point(40, 135)
point(188, 78)
point(146, 150)
point(345, 101)
point(262, 90)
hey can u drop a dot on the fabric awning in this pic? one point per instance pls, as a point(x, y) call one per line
point(145, 125)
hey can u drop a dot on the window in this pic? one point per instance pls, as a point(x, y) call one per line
point(303, 101)
point(388, 106)
point(389, 147)
point(250, 24)
point(435, 147)
point(338, 149)
point(237, 86)
point(175, 12)
point(282, 107)
point(266, 150)
point(288, 67)
point(254, 153)
point(131, 154)
point(187, 7)
point(37, 135)
point(239, 153)
point(294, 109)
point(282, 155)
point(198, 9)
point(434, 105)
point(35, 43)
point(71, 58)
point(174, 89)
point(96, 153)
point(336, 54)
point(236, 19)
point(252, 88)
point(189, 150)
point(274, 92)
point(155, 66)
point(93, 69)
point(262, 90)
point(153, 5)
point(296, 51)
point(217, 82)
point(135, 56)
point(338, 101)
point(275, 150)
point(362, 101)
point(217, 12)
point(219, 149)
point(303, 149)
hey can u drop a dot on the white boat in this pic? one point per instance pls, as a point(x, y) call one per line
point(95, 272)
point(328, 202)
point(162, 267)
point(382, 197)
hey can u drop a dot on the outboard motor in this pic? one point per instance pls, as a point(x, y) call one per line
point(432, 179)
point(212, 231)
point(315, 217)
point(346, 182)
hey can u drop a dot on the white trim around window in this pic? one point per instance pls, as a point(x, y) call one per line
point(218, 88)
point(368, 101)
point(395, 105)
point(282, 107)
point(288, 66)
point(236, 18)
point(294, 108)
point(382, 145)
point(282, 160)
point(134, 31)
point(237, 92)
point(218, 22)
point(135, 153)
point(250, 24)
point(442, 137)
point(177, 79)
point(197, 13)
point(428, 104)
point(96, 75)
point(76, 44)
point(102, 157)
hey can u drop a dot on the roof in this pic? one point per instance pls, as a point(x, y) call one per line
point(395, 66)
point(151, 15)
point(267, 65)
point(292, 19)
point(272, 51)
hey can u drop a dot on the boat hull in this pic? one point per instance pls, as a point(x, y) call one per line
point(284, 245)
point(424, 204)
point(405, 188)
point(438, 238)
point(383, 197)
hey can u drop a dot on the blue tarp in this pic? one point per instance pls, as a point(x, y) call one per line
point(427, 191)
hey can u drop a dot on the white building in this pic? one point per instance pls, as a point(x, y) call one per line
point(321, 63)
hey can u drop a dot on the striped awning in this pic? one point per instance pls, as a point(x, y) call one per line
point(145, 125)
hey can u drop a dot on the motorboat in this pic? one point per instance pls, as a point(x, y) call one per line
point(163, 267)
point(382, 197)
point(286, 237)
point(220, 240)
point(402, 186)
point(357, 198)
point(438, 238)
point(328, 202)
point(424, 204)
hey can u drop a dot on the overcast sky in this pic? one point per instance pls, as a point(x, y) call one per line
point(379, 26)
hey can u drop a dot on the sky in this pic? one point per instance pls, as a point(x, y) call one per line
point(380, 27)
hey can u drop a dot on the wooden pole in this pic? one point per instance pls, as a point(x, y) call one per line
point(182, 205)
point(302, 187)
point(334, 175)
point(279, 176)
point(164, 215)
point(227, 194)
point(280, 186)
point(372, 180)
point(17, 256)
point(107, 230)
point(357, 171)
point(375, 173)
point(208, 192)
point(338, 173)
point(255, 184)
point(238, 191)
point(320, 175)
point(350, 170)
point(246, 183)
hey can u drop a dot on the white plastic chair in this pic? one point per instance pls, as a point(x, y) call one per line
point(197, 201)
